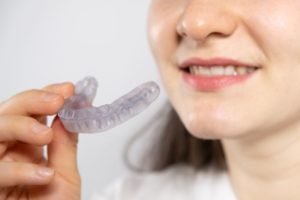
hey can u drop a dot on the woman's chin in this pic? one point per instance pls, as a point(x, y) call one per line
point(210, 133)
point(213, 131)
point(214, 128)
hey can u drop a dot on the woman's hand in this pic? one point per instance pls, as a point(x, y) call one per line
point(25, 173)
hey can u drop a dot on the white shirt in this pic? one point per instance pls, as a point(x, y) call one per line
point(175, 183)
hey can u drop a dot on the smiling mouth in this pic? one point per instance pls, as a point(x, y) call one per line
point(212, 71)
point(217, 67)
point(215, 74)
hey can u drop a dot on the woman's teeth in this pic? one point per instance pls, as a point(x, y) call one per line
point(221, 70)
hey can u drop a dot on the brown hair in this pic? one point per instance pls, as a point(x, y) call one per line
point(175, 145)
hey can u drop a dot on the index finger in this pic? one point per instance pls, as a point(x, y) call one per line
point(38, 102)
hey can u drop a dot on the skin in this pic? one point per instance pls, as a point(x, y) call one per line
point(25, 173)
point(258, 121)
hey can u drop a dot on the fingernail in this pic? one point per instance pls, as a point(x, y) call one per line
point(44, 172)
point(62, 89)
point(38, 128)
point(48, 97)
point(60, 84)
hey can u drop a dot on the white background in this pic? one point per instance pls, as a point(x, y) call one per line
point(49, 41)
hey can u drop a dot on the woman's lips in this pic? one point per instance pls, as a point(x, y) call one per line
point(217, 61)
point(214, 82)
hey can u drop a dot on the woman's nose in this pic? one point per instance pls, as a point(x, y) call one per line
point(203, 18)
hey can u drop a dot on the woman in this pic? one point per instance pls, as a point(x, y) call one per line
point(230, 69)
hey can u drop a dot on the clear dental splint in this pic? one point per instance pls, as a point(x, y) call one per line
point(79, 115)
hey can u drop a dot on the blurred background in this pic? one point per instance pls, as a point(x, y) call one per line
point(50, 41)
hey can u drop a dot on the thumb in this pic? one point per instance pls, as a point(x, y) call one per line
point(62, 151)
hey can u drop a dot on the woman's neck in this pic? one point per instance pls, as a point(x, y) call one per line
point(266, 166)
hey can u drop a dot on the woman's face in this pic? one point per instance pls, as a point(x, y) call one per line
point(230, 68)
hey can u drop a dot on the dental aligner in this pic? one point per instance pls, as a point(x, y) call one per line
point(78, 114)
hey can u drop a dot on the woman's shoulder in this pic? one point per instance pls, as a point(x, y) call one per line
point(176, 182)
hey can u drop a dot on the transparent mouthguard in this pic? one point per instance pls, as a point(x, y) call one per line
point(78, 114)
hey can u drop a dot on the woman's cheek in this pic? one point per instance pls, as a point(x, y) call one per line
point(162, 35)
